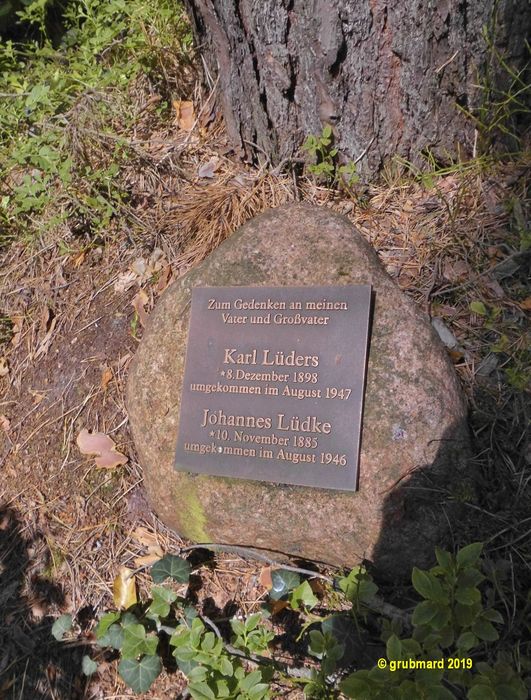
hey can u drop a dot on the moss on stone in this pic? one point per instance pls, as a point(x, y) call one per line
point(194, 523)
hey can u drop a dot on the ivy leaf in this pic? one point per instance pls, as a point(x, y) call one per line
point(358, 586)
point(134, 641)
point(316, 646)
point(173, 567)
point(113, 637)
point(139, 675)
point(282, 582)
point(342, 628)
point(190, 613)
point(88, 666)
point(62, 625)
point(105, 622)
point(469, 555)
point(162, 600)
point(303, 597)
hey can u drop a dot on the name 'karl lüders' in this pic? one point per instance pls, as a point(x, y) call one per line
point(278, 359)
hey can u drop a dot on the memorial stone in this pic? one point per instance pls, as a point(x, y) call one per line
point(414, 443)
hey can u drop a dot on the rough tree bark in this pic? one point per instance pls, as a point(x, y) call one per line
point(387, 74)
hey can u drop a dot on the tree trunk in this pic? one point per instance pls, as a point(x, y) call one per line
point(389, 76)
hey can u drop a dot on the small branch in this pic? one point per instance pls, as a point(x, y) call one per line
point(255, 658)
point(475, 278)
point(278, 169)
point(441, 67)
point(249, 552)
point(364, 152)
point(259, 148)
point(212, 625)
point(378, 605)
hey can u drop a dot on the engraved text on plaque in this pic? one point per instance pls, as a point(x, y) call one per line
point(273, 384)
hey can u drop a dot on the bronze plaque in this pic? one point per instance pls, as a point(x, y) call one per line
point(273, 384)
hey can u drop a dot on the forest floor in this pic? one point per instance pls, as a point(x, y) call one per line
point(73, 303)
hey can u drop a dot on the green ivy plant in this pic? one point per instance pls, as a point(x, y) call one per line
point(442, 651)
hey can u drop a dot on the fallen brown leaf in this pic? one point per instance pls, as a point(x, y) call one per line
point(456, 270)
point(208, 169)
point(44, 345)
point(163, 280)
point(4, 367)
point(456, 355)
point(124, 589)
point(38, 609)
point(124, 360)
point(5, 423)
point(101, 445)
point(277, 606)
point(124, 281)
point(145, 537)
point(106, 377)
point(184, 114)
point(38, 396)
point(18, 322)
point(139, 267)
point(265, 578)
point(79, 259)
point(525, 304)
point(138, 303)
point(317, 587)
point(149, 540)
point(147, 559)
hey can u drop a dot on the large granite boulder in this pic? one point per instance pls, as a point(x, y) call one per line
point(414, 444)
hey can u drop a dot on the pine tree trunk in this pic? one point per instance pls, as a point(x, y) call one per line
point(389, 76)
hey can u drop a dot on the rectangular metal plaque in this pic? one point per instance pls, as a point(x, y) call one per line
point(273, 384)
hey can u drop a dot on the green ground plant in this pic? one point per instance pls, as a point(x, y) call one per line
point(67, 106)
point(447, 647)
point(324, 154)
point(503, 105)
